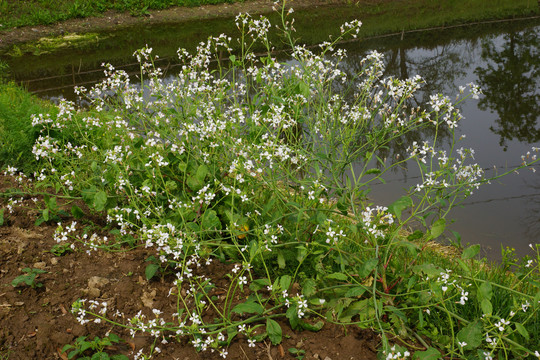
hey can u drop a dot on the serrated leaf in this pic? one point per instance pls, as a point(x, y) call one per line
point(429, 354)
point(274, 331)
point(249, 308)
point(470, 252)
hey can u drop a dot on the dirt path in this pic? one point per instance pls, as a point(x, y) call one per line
point(111, 20)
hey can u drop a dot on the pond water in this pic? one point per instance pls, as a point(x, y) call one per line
point(502, 57)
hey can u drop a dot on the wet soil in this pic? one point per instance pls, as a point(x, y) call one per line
point(112, 20)
point(35, 323)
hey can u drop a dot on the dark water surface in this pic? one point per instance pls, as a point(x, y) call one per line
point(502, 57)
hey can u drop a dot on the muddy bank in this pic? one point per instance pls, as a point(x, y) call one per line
point(112, 20)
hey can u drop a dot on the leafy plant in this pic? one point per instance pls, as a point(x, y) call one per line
point(29, 278)
point(85, 349)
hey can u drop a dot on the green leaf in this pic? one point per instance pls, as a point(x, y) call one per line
point(274, 331)
point(369, 266)
point(45, 215)
point(201, 173)
point(437, 228)
point(485, 290)
point(2, 217)
point(521, 329)
point(399, 205)
point(309, 287)
point(281, 260)
point(100, 356)
point(249, 308)
point(312, 327)
point(417, 234)
point(470, 252)
point(355, 291)
point(429, 354)
point(114, 338)
point(100, 199)
point(337, 276)
point(472, 335)
point(151, 270)
point(487, 307)
point(373, 171)
point(76, 212)
point(285, 282)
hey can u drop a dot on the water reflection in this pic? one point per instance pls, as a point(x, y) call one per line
point(510, 80)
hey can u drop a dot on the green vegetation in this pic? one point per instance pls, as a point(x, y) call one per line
point(28, 13)
point(17, 136)
point(29, 278)
point(85, 349)
point(267, 167)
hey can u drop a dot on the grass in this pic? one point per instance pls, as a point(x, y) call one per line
point(45, 12)
point(17, 136)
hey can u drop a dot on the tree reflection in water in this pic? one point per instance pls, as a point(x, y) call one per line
point(511, 83)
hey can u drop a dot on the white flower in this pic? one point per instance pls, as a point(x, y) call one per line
point(462, 344)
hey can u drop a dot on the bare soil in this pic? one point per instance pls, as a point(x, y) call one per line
point(112, 20)
point(35, 323)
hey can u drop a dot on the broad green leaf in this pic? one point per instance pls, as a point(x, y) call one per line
point(355, 291)
point(485, 290)
point(274, 331)
point(417, 234)
point(151, 270)
point(429, 354)
point(399, 205)
point(472, 335)
point(309, 287)
point(100, 199)
point(521, 329)
point(470, 252)
point(258, 284)
point(437, 228)
point(1, 217)
point(202, 171)
point(285, 282)
point(487, 307)
point(428, 269)
point(45, 215)
point(76, 212)
point(369, 266)
point(249, 308)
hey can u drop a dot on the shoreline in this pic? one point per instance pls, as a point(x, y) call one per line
point(113, 21)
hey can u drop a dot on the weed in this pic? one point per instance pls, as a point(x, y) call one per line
point(29, 278)
point(267, 166)
point(93, 349)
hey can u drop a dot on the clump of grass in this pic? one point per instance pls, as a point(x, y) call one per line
point(267, 166)
point(17, 136)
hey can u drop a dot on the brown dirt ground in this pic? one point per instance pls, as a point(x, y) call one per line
point(113, 20)
point(36, 323)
